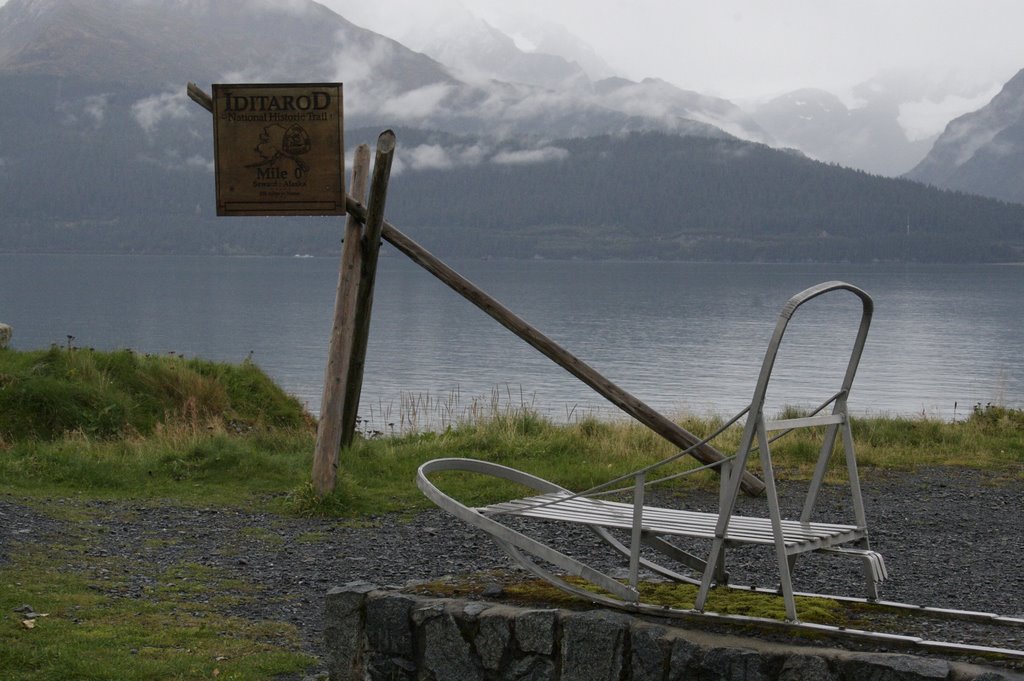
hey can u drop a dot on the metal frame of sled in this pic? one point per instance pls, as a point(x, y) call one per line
point(656, 527)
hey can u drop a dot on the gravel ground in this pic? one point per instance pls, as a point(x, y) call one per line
point(950, 538)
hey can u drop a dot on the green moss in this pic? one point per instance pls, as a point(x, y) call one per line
point(668, 594)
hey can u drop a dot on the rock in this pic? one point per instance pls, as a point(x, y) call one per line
point(805, 668)
point(535, 631)
point(492, 638)
point(5, 335)
point(392, 668)
point(493, 590)
point(650, 652)
point(684, 659)
point(890, 667)
point(732, 664)
point(344, 631)
point(532, 668)
point(388, 624)
point(446, 654)
point(472, 610)
point(592, 646)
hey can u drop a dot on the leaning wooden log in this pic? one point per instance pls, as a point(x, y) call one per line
point(660, 424)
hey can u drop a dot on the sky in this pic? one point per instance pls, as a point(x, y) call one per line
point(955, 53)
point(748, 50)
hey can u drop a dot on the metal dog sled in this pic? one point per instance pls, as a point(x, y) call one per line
point(661, 528)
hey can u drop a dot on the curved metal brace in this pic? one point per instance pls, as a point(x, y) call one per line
point(515, 543)
point(780, 329)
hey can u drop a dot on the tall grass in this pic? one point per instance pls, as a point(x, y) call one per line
point(122, 425)
point(48, 395)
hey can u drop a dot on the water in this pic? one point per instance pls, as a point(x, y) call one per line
point(682, 337)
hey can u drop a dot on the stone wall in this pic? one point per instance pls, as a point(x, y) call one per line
point(375, 634)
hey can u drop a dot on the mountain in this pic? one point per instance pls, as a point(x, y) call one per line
point(657, 99)
point(819, 124)
point(95, 55)
point(154, 43)
point(661, 196)
point(534, 34)
point(636, 196)
point(479, 52)
point(101, 151)
point(982, 152)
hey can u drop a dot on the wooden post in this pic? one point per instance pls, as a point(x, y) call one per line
point(663, 426)
point(374, 214)
point(329, 433)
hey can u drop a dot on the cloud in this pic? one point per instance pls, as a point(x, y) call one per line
point(1004, 148)
point(418, 103)
point(89, 112)
point(355, 66)
point(522, 102)
point(172, 159)
point(198, 162)
point(428, 156)
point(528, 156)
point(437, 157)
point(927, 117)
point(151, 111)
point(968, 137)
point(411, 22)
point(95, 107)
point(739, 49)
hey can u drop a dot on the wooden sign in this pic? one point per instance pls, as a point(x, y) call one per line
point(279, 149)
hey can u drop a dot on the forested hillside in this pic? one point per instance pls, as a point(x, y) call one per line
point(663, 196)
point(645, 195)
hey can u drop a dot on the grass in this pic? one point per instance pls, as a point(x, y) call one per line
point(119, 425)
point(49, 394)
point(88, 633)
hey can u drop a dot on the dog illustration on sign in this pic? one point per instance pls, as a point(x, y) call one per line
point(278, 141)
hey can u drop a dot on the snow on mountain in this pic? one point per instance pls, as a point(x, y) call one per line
point(982, 152)
point(818, 123)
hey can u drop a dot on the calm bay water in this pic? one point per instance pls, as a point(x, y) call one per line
point(680, 336)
